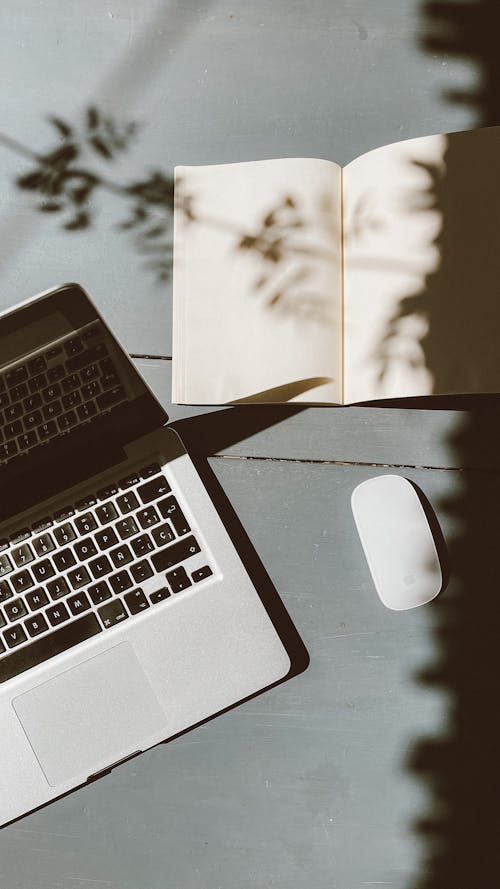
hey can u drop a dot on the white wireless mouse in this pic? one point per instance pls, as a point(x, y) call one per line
point(397, 541)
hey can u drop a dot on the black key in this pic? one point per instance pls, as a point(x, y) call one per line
point(163, 534)
point(73, 346)
point(36, 625)
point(160, 595)
point(109, 380)
point(121, 581)
point(85, 523)
point(15, 609)
point(19, 392)
point(86, 411)
point(148, 517)
point(175, 553)
point(106, 513)
point(201, 573)
point(64, 533)
point(57, 588)
point(170, 509)
point(32, 402)
point(108, 491)
point(90, 390)
point(5, 564)
point(37, 383)
point(121, 555)
point(4, 544)
point(8, 450)
point(78, 603)
point(4, 399)
point(12, 426)
point(100, 566)
point(20, 535)
point(18, 375)
point(65, 421)
point(51, 392)
point(44, 570)
point(126, 528)
point(2, 384)
point(31, 421)
point(107, 366)
point(37, 599)
point(48, 646)
point(47, 430)
point(11, 414)
point(56, 373)
point(23, 555)
point(41, 524)
point(157, 487)
point(27, 440)
point(142, 545)
point(64, 559)
point(85, 549)
point(13, 636)
point(136, 601)
point(89, 373)
point(79, 577)
point(85, 502)
point(70, 383)
point(151, 469)
point(22, 581)
point(99, 592)
point(71, 399)
point(37, 365)
point(127, 502)
point(178, 580)
point(110, 398)
point(129, 480)
point(106, 538)
point(112, 613)
point(52, 410)
point(141, 571)
point(5, 591)
point(2, 620)
point(53, 352)
point(10, 430)
point(64, 513)
point(57, 614)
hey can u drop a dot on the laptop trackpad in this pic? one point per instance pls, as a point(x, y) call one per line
point(90, 716)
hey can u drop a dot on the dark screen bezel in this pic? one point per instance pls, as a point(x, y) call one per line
point(45, 472)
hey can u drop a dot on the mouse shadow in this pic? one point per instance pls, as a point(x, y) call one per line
point(437, 535)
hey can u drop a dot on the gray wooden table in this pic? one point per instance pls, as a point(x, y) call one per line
point(376, 766)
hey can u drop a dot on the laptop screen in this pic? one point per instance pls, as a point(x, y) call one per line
point(70, 398)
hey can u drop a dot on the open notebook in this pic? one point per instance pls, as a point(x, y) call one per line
point(297, 280)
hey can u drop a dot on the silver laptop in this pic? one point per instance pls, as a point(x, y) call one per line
point(126, 613)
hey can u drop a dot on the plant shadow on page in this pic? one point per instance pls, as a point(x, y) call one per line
point(257, 282)
point(459, 299)
point(433, 197)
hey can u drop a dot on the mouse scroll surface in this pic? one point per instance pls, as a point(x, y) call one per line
point(397, 542)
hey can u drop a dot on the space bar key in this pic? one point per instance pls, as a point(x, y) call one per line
point(48, 646)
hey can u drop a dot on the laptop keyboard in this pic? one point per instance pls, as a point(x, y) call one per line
point(91, 566)
point(60, 388)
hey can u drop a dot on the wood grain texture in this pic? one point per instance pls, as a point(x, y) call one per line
point(396, 436)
